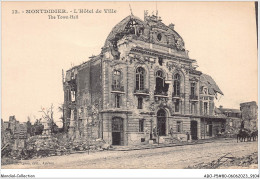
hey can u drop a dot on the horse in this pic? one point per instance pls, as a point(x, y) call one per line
point(254, 135)
point(243, 135)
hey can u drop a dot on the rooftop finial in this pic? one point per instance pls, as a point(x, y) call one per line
point(131, 10)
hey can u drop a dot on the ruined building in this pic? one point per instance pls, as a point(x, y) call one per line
point(142, 81)
point(249, 115)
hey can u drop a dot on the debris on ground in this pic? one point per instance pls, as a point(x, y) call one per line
point(227, 161)
point(50, 145)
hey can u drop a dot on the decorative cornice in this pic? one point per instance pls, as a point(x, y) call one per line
point(160, 54)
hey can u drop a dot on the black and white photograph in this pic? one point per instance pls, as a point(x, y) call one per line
point(129, 85)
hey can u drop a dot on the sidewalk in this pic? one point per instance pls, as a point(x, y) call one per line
point(161, 145)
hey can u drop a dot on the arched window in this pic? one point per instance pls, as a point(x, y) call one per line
point(176, 85)
point(116, 79)
point(140, 78)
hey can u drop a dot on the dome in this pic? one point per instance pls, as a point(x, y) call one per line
point(121, 28)
point(151, 30)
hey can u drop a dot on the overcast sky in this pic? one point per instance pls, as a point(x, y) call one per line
point(221, 36)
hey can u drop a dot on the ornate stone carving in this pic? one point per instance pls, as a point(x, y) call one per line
point(179, 44)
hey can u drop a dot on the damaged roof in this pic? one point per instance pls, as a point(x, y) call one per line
point(208, 81)
point(120, 27)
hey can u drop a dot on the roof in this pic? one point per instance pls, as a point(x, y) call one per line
point(229, 110)
point(208, 81)
point(124, 28)
point(120, 27)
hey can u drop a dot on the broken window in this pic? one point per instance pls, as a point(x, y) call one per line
point(140, 78)
point(176, 85)
point(140, 103)
point(140, 31)
point(116, 79)
point(131, 26)
point(161, 87)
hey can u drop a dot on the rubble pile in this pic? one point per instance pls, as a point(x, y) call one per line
point(46, 145)
point(51, 145)
point(245, 161)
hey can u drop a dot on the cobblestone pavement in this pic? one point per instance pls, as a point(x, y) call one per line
point(176, 157)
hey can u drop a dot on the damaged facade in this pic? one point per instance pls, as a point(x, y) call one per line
point(142, 81)
point(249, 112)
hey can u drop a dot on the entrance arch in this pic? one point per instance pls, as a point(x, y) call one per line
point(161, 122)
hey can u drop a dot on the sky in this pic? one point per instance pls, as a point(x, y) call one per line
point(221, 36)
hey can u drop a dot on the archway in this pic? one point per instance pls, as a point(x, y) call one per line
point(161, 122)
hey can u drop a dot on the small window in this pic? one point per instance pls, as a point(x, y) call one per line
point(160, 60)
point(141, 125)
point(205, 108)
point(73, 96)
point(68, 94)
point(192, 108)
point(192, 89)
point(205, 90)
point(159, 37)
point(179, 126)
point(140, 103)
point(117, 101)
point(177, 105)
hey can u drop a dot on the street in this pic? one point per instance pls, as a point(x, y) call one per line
point(177, 157)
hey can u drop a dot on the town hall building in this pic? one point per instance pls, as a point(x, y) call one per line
point(142, 85)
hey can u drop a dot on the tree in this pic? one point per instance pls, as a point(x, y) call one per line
point(47, 114)
point(37, 127)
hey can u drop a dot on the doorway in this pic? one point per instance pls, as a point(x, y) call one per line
point(117, 131)
point(161, 122)
point(193, 129)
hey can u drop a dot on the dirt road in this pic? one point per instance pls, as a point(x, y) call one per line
point(177, 157)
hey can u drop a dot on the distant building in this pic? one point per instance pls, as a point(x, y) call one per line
point(233, 119)
point(250, 115)
point(143, 79)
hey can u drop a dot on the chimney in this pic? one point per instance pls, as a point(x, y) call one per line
point(220, 106)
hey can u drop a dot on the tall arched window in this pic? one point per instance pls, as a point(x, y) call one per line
point(176, 85)
point(116, 79)
point(140, 78)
